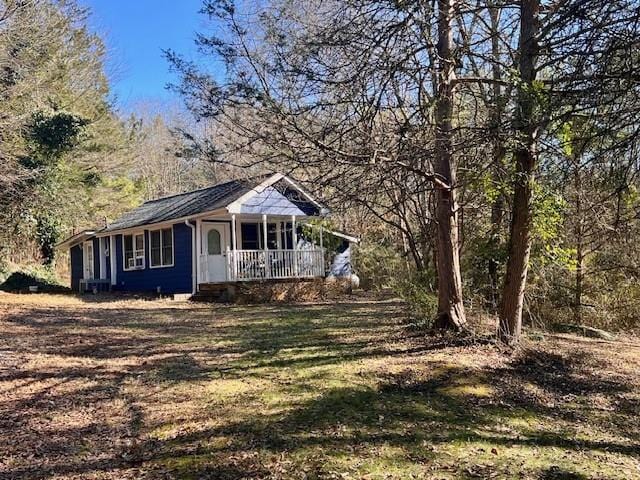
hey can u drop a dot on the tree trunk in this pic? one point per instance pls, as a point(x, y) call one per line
point(497, 211)
point(579, 287)
point(498, 154)
point(525, 157)
point(579, 280)
point(451, 313)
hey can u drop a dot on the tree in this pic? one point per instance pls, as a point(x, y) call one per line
point(62, 148)
point(450, 306)
point(526, 128)
point(358, 99)
point(585, 50)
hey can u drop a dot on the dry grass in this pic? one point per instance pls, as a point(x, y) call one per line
point(106, 388)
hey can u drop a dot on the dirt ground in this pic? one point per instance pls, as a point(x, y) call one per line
point(109, 388)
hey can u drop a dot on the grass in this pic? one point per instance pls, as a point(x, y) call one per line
point(107, 388)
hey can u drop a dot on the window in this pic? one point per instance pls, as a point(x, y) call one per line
point(253, 236)
point(272, 236)
point(286, 233)
point(250, 236)
point(133, 247)
point(213, 242)
point(161, 249)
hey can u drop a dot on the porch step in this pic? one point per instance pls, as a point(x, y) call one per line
point(207, 297)
point(213, 292)
point(213, 287)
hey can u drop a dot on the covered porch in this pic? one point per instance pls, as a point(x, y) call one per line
point(258, 238)
point(256, 247)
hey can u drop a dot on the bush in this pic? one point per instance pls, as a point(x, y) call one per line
point(378, 266)
point(417, 291)
point(44, 278)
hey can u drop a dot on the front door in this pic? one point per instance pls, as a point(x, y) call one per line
point(214, 243)
point(88, 260)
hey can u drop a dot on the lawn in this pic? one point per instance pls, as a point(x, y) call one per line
point(108, 388)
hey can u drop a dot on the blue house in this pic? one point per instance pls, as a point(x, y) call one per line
point(236, 231)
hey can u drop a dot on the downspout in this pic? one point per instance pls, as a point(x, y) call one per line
point(194, 258)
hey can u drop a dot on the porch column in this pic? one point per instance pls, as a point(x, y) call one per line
point(199, 253)
point(101, 268)
point(112, 260)
point(294, 237)
point(265, 247)
point(294, 232)
point(234, 247)
point(321, 267)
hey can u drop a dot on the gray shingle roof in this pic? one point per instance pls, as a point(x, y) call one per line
point(183, 205)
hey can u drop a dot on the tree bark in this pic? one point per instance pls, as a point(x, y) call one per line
point(498, 154)
point(510, 325)
point(497, 213)
point(577, 312)
point(451, 314)
point(579, 279)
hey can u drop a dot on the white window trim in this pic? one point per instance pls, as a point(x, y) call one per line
point(85, 260)
point(260, 234)
point(144, 250)
point(173, 248)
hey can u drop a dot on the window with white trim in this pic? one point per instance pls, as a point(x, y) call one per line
point(161, 247)
point(133, 249)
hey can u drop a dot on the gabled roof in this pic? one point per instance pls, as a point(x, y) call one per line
point(224, 195)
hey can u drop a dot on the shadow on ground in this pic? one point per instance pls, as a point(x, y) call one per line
point(334, 391)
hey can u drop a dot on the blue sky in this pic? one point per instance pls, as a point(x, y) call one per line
point(135, 32)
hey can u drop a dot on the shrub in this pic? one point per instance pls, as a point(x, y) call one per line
point(377, 265)
point(417, 291)
point(44, 278)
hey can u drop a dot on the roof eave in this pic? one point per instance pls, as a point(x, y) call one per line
point(76, 238)
point(147, 226)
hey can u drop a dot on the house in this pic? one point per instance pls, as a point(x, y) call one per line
point(236, 231)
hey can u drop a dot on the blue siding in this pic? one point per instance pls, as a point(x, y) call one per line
point(176, 279)
point(75, 253)
point(96, 258)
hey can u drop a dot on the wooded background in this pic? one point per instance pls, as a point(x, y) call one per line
point(486, 151)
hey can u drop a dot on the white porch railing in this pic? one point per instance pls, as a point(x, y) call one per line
point(244, 265)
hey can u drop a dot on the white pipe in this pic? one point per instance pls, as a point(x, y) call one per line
point(194, 258)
